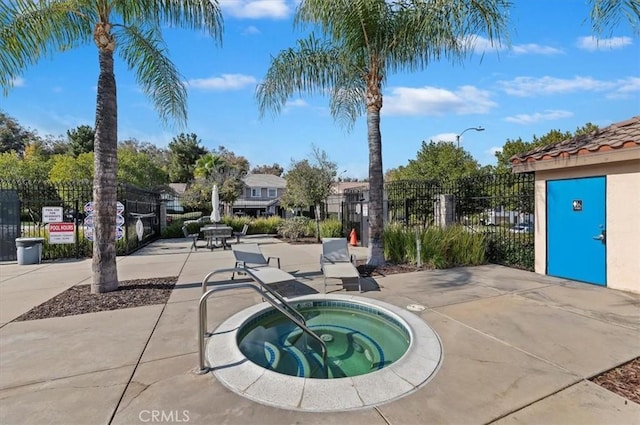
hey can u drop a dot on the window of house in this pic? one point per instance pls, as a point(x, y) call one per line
point(255, 192)
point(273, 192)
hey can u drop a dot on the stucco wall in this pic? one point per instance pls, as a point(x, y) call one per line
point(623, 219)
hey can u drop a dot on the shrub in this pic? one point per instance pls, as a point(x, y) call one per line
point(331, 228)
point(293, 228)
point(439, 248)
point(511, 250)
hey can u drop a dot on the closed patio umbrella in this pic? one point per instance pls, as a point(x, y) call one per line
point(215, 203)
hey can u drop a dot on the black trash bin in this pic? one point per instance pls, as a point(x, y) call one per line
point(29, 250)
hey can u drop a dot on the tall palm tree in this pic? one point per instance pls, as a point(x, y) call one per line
point(363, 41)
point(32, 29)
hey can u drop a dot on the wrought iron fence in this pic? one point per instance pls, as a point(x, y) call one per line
point(141, 214)
point(500, 206)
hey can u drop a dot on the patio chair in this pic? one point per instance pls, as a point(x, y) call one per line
point(243, 233)
point(192, 236)
point(249, 255)
point(335, 261)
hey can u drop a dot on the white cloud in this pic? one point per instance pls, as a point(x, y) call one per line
point(436, 101)
point(482, 45)
point(591, 43)
point(250, 30)
point(296, 103)
point(536, 49)
point(530, 86)
point(493, 150)
point(626, 88)
point(548, 115)
point(18, 82)
point(224, 82)
point(255, 9)
point(443, 137)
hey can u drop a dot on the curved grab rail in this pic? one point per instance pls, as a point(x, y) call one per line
point(277, 296)
point(202, 322)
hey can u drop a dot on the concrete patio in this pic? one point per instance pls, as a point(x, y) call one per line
point(518, 347)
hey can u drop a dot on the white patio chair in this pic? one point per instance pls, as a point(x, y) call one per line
point(336, 263)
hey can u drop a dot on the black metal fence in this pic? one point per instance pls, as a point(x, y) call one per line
point(140, 213)
point(500, 206)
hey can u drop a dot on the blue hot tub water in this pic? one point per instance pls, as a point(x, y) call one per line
point(360, 339)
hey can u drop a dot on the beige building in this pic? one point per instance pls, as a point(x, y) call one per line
point(587, 208)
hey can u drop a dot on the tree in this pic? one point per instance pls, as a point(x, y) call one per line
point(67, 168)
point(437, 161)
point(363, 42)
point(310, 183)
point(13, 137)
point(81, 139)
point(208, 165)
point(184, 151)
point(607, 14)
point(275, 169)
point(30, 31)
point(518, 146)
point(158, 156)
point(138, 169)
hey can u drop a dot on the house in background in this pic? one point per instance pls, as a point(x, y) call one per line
point(260, 195)
point(587, 198)
point(172, 200)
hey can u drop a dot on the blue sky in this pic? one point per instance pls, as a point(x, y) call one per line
point(555, 75)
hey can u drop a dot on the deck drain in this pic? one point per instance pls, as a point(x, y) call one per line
point(416, 307)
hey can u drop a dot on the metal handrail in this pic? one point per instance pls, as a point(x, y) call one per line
point(202, 322)
point(279, 297)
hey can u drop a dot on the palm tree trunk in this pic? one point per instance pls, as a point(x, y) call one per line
point(375, 256)
point(105, 273)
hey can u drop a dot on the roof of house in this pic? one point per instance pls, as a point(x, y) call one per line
point(250, 203)
point(178, 188)
point(264, 180)
point(340, 187)
point(621, 135)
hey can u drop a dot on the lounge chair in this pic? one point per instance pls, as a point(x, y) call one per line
point(243, 233)
point(249, 255)
point(335, 261)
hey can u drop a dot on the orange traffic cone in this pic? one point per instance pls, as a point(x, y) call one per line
point(353, 239)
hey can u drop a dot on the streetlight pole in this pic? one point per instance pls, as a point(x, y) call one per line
point(479, 128)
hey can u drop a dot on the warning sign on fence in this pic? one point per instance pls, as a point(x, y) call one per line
point(60, 233)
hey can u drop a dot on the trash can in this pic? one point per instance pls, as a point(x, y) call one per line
point(29, 250)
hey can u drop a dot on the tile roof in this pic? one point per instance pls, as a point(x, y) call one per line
point(264, 180)
point(623, 134)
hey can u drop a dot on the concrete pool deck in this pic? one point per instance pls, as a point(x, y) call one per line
point(518, 347)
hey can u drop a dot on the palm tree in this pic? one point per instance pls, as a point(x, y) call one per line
point(31, 30)
point(363, 42)
point(608, 14)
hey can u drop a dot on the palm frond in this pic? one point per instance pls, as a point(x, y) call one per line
point(426, 31)
point(313, 67)
point(144, 52)
point(188, 14)
point(31, 30)
point(347, 102)
point(608, 14)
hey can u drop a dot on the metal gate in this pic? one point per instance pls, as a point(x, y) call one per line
point(9, 224)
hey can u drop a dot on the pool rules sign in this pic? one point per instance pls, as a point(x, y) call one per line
point(60, 233)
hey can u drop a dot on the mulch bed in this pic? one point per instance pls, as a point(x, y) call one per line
point(79, 299)
point(623, 380)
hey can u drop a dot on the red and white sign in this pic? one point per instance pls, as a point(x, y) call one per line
point(62, 233)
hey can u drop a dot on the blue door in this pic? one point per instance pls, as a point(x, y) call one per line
point(576, 233)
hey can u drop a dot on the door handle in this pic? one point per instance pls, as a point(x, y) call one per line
point(602, 237)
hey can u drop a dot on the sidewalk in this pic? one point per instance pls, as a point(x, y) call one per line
point(518, 347)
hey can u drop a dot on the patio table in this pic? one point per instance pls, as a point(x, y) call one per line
point(213, 234)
